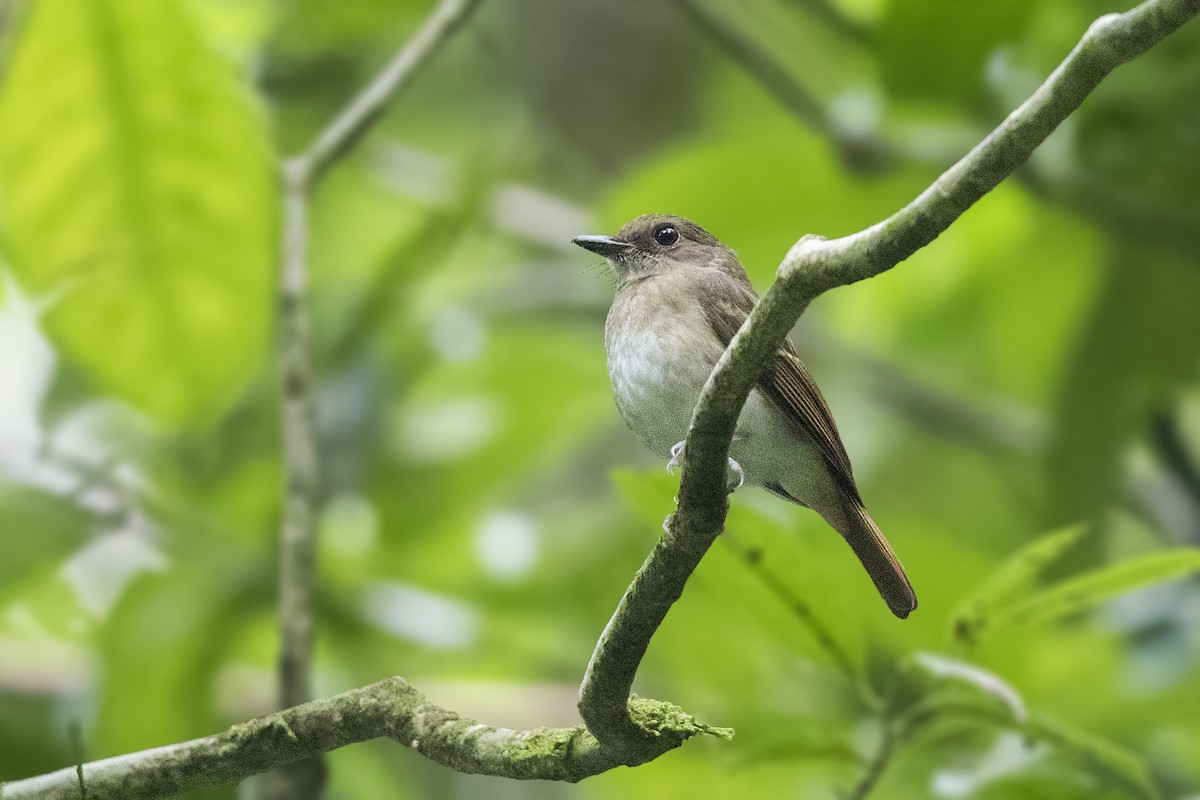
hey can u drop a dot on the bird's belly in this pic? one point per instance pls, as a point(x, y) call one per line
point(655, 390)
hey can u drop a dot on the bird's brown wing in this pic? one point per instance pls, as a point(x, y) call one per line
point(727, 301)
point(790, 386)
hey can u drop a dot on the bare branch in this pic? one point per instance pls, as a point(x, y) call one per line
point(297, 568)
point(833, 16)
point(813, 266)
point(298, 545)
point(857, 151)
point(349, 126)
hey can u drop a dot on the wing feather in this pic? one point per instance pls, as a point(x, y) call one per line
point(727, 300)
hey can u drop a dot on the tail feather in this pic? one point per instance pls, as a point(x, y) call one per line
point(878, 558)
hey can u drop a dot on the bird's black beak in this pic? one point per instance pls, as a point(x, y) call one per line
point(605, 246)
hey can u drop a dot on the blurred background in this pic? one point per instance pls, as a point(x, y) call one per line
point(483, 505)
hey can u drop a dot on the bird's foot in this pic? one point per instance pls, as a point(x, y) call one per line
point(736, 477)
point(735, 471)
point(676, 455)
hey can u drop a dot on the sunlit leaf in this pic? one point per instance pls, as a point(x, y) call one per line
point(136, 186)
point(1009, 582)
point(793, 739)
point(1095, 587)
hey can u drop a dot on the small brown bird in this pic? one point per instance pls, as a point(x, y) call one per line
point(681, 296)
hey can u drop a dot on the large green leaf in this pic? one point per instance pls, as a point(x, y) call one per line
point(135, 181)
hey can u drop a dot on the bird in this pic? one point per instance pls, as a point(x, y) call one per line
point(681, 295)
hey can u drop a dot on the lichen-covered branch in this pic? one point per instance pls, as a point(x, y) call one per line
point(390, 708)
point(813, 266)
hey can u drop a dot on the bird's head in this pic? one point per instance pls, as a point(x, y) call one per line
point(654, 244)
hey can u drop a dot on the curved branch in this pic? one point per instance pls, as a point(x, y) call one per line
point(813, 266)
point(391, 708)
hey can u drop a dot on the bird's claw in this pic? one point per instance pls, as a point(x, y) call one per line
point(676, 455)
point(735, 469)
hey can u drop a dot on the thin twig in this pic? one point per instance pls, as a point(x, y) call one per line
point(297, 573)
point(76, 736)
point(879, 762)
point(298, 551)
point(813, 266)
point(860, 152)
point(753, 558)
point(349, 126)
point(833, 16)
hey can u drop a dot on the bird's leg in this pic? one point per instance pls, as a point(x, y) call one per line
point(735, 469)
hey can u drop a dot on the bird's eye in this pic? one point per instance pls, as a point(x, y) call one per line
point(666, 235)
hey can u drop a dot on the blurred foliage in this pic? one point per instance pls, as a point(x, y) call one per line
point(484, 506)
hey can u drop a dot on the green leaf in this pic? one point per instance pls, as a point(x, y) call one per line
point(1103, 584)
point(1101, 755)
point(1009, 582)
point(136, 185)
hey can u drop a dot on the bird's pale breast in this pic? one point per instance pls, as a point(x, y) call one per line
point(659, 356)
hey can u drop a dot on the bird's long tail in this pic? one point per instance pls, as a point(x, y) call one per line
point(877, 557)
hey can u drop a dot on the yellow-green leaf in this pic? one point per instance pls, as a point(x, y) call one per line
point(136, 188)
point(1014, 578)
point(1095, 587)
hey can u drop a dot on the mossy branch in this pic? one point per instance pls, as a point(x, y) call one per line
point(391, 708)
